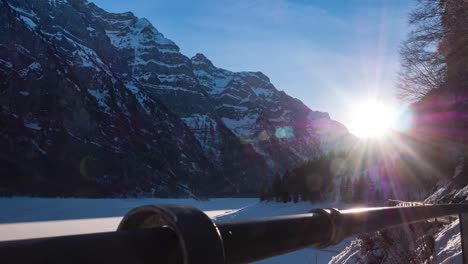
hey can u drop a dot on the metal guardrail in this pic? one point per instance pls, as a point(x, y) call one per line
point(443, 220)
point(183, 234)
point(406, 203)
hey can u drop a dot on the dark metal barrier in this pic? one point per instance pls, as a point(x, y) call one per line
point(183, 234)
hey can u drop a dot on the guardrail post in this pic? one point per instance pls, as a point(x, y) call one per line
point(464, 236)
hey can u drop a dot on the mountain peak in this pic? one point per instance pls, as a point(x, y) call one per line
point(143, 23)
point(201, 59)
point(262, 76)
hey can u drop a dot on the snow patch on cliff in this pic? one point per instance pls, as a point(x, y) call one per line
point(243, 126)
point(31, 25)
point(137, 34)
point(205, 130)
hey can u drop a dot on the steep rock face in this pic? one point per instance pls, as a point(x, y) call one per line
point(104, 104)
point(74, 126)
point(165, 74)
point(280, 128)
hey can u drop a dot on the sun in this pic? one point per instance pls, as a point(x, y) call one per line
point(372, 119)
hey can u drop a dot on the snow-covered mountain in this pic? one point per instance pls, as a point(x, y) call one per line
point(97, 103)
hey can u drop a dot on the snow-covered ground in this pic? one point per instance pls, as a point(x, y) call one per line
point(448, 244)
point(23, 217)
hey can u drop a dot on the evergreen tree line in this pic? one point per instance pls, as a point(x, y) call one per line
point(307, 182)
point(310, 181)
point(360, 189)
point(314, 179)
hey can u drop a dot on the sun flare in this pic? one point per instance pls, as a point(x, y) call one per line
point(372, 119)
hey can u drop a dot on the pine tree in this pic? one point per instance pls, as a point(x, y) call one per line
point(362, 187)
point(265, 190)
point(344, 189)
point(285, 187)
point(276, 187)
point(377, 196)
point(295, 197)
point(357, 189)
point(370, 189)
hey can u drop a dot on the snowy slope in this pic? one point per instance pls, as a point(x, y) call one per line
point(448, 245)
point(434, 245)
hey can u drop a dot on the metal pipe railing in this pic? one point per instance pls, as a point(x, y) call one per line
point(136, 246)
point(247, 241)
point(183, 234)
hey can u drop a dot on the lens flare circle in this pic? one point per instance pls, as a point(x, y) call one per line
point(284, 132)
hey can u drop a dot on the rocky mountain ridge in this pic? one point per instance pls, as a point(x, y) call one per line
point(97, 104)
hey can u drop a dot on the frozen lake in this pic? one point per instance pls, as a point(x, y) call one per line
point(23, 217)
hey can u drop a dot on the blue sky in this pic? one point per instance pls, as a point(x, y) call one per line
point(330, 54)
